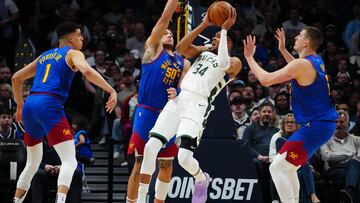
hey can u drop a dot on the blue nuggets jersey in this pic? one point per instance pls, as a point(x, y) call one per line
point(53, 75)
point(156, 77)
point(313, 102)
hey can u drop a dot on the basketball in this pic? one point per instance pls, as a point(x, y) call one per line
point(219, 12)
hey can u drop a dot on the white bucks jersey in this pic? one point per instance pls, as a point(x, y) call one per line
point(205, 77)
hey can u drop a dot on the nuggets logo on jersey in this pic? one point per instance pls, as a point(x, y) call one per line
point(172, 71)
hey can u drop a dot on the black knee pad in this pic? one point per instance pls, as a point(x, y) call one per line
point(188, 143)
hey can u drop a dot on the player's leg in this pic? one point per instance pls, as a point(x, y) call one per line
point(134, 179)
point(163, 130)
point(165, 162)
point(295, 152)
point(66, 152)
point(284, 175)
point(33, 160)
point(34, 149)
point(59, 135)
point(189, 131)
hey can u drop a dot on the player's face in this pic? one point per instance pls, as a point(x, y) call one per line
point(300, 41)
point(216, 40)
point(168, 39)
point(76, 39)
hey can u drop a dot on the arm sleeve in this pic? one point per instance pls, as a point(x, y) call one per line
point(223, 53)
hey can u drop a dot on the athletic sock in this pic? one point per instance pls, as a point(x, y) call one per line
point(60, 198)
point(142, 192)
point(200, 176)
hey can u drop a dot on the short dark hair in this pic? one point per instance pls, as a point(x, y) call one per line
point(315, 36)
point(6, 111)
point(66, 28)
point(237, 100)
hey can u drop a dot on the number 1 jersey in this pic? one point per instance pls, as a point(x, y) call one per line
point(53, 74)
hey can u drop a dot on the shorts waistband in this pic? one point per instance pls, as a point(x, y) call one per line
point(47, 93)
point(149, 107)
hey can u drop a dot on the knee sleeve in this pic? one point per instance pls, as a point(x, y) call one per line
point(187, 161)
point(151, 151)
point(285, 178)
point(66, 152)
point(161, 189)
point(188, 143)
point(34, 156)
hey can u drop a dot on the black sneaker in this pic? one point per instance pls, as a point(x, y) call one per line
point(347, 195)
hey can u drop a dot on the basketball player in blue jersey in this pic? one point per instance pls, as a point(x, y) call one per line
point(43, 112)
point(162, 70)
point(311, 103)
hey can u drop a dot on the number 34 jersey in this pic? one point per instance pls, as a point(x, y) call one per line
point(53, 74)
point(205, 77)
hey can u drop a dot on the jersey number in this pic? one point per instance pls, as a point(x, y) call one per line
point(200, 70)
point(46, 73)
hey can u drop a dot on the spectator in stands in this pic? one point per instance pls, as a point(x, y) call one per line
point(138, 40)
point(282, 104)
point(248, 95)
point(293, 26)
point(255, 115)
point(9, 30)
point(5, 75)
point(352, 26)
point(241, 118)
point(233, 94)
point(129, 89)
point(258, 135)
point(7, 129)
point(47, 175)
point(6, 99)
point(342, 159)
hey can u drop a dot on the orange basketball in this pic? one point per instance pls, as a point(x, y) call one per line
point(219, 12)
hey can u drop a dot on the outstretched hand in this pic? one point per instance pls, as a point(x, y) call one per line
point(111, 103)
point(230, 20)
point(280, 36)
point(249, 46)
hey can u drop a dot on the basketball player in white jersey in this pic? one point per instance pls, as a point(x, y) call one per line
point(186, 114)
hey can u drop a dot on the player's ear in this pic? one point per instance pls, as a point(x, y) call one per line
point(307, 42)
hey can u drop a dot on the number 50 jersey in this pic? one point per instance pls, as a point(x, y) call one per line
point(53, 74)
point(205, 77)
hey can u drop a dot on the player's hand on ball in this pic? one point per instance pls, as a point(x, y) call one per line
point(206, 20)
point(230, 20)
point(249, 46)
point(171, 93)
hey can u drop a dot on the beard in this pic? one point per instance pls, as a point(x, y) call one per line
point(168, 46)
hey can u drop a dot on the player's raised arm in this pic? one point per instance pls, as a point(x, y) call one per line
point(161, 25)
point(185, 46)
point(78, 60)
point(280, 36)
point(290, 71)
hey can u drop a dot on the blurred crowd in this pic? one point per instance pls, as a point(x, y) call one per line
point(114, 37)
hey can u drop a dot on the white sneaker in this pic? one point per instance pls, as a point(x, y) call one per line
point(116, 155)
point(103, 140)
point(125, 163)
